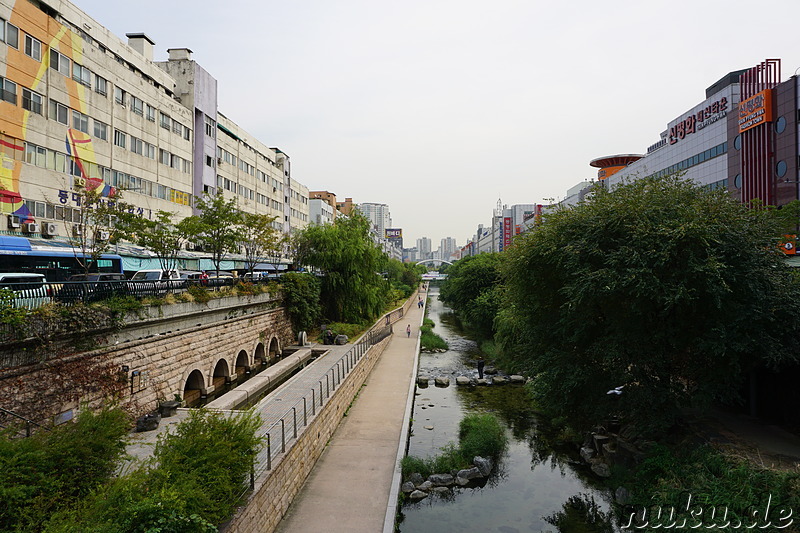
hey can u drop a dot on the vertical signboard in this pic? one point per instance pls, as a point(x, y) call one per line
point(507, 232)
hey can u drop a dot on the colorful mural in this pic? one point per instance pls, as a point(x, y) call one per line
point(30, 73)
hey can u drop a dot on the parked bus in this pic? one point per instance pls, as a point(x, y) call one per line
point(57, 264)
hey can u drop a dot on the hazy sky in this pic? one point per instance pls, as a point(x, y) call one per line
point(439, 108)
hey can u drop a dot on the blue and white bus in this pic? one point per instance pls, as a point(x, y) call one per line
point(17, 254)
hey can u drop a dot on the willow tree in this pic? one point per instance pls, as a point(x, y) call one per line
point(662, 287)
point(350, 264)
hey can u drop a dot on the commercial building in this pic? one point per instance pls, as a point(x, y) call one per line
point(742, 137)
point(378, 216)
point(81, 108)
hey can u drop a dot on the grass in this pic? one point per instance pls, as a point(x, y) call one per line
point(428, 339)
point(478, 434)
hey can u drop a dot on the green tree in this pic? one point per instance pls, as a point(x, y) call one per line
point(161, 236)
point(217, 227)
point(301, 299)
point(353, 289)
point(259, 238)
point(473, 290)
point(662, 287)
point(92, 234)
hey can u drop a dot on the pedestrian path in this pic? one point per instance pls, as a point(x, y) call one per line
point(355, 480)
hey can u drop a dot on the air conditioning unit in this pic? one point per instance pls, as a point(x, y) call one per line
point(49, 229)
point(14, 222)
point(80, 183)
point(219, 160)
point(30, 227)
point(77, 231)
point(103, 235)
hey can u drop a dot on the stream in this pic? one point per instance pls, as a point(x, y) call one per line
point(533, 480)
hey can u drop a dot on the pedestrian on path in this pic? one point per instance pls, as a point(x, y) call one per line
point(408, 330)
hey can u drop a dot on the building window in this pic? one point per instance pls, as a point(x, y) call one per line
point(59, 62)
point(59, 112)
point(9, 91)
point(9, 33)
point(137, 146)
point(149, 150)
point(119, 96)
point(177, 127)
point(210, 126)
point(120, 139)
point(151, 112)
point(80, 121)
point(209, 161)
point(33, 48)
point(32, 101)
point(166, 122)
point(100, 130)
point(100, 85)
point(137, 105)
point(187, 133)
point(164, 157)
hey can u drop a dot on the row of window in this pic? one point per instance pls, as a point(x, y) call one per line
point(53, 212)
point(247, 193)
point(298, 214)
point(693, 161)
point(63, 163)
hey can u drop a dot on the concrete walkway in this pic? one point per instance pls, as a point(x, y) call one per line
point(356, 479)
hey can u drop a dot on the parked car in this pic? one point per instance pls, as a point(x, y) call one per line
point(155, 282)
point(29, 290)
point(260, 275)
point(92, 287)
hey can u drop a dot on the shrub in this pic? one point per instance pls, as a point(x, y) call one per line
point(481, 434)
point(52, 470)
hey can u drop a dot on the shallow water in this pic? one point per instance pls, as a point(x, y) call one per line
point(532, 481)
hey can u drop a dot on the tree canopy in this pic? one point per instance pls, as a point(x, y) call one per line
point(350, 262)
point(663, 287)
point(217, 228)
point(473, 290)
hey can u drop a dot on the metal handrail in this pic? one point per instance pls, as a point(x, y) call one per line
point(28, 422)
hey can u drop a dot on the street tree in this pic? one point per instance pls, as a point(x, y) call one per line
point(260, 239)
point(217, 228)
point(95, 229)
point(350, 262)
point(160, 235)
point(661, 290)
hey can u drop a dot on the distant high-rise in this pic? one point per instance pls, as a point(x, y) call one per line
point(378, 215)
point(423, 248)
point(447, 247)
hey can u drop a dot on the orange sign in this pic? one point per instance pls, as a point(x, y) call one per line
point(755, 110)
point(789, 245)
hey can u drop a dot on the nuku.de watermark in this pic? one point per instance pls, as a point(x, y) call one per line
point(690, 514)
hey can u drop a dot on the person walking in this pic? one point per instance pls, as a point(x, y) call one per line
point(481, 364)
point(408, 331)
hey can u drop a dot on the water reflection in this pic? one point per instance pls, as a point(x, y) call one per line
point(538, 486)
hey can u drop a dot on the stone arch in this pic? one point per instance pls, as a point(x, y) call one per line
point(260, 356)
point(242, 365)
point(194, 388)
point(221, 375)
point(274, 348)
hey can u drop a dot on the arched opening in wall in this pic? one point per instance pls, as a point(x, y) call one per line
point(274, 349)
point(194, 389)
point(221, 379)
point(242, 366)
point(260, 358)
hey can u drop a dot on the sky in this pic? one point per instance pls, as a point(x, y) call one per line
point(439, 108)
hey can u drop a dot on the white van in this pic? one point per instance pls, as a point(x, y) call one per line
point(149, 282)
point(30, 290)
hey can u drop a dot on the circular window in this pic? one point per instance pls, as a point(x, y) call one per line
point(737, 181)
point(737, 142)
point(780, 169)
point(780, 125)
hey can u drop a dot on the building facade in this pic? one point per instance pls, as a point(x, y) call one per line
point(81, 108)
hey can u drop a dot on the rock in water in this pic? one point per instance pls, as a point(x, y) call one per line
point(483, 464)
